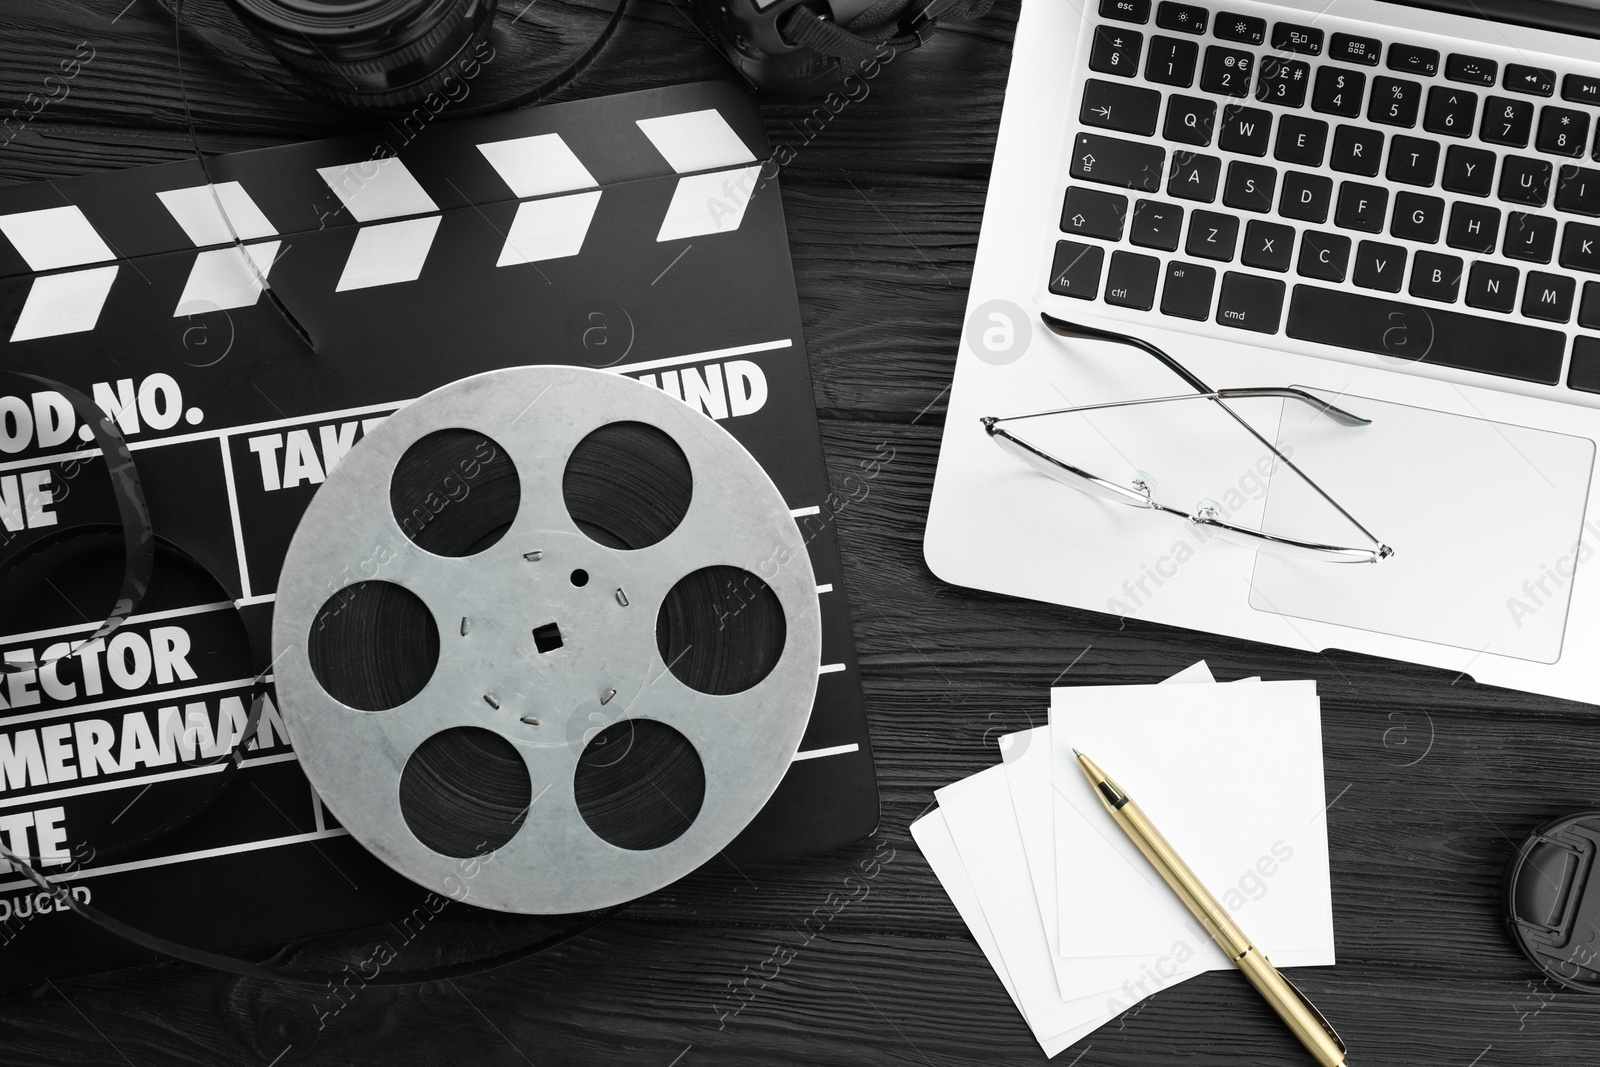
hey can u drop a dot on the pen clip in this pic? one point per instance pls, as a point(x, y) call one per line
point(1321, 1018)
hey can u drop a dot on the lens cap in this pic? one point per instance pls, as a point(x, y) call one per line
point(1552, 900)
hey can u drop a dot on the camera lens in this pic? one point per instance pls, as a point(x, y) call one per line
point(373, 53)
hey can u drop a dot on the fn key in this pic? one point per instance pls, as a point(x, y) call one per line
point(1250, 302)
point(1076, 270)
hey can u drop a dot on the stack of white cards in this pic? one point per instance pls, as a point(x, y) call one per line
point(1074, 920)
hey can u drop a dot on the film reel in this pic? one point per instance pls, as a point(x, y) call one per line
point(539, 685)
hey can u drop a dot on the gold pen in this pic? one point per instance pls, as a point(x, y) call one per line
point(1302, 1017)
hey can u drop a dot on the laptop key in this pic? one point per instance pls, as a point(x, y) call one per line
point(1580, 247)
point(1190, 120)
point(1357, 150)
point(1091, 213)
point(1172, 61)
point(1413, 160)
point(1361, 207)
point(1244, 29)
point(1506, 122)
point(1131, 282)
point(1432, 335)
point(1184, 18)
point(1121, 107)
point(1380, 266)
point(1227, 71)
point(1578, 190)
point(1126, 10)
point(1194, 176)
point(1301, 140)
point(1324, 255)
point(1580, 90)
point(1525, 181)
point(1076, 270)
point(1283, 81)
point(1394, 102)
point(1589, 307)
point(1409, 59)
point(1348, 48)
point(1492, 287)
point(1212, 235)
point(1535, 81)
point(1250, 302)
point(1530, 237)
point(1305, 196)
point(1417, 217)
point(1450, 111)
point(1249, 186)
point(1548, 296)
point(1562, 131)
point(1585, 370)
point(1156, 225)
point(1268, 245)
point(1187, 292)
point(1474, 70)
point(1116, 51)
point(1288, 37)
point(1338, 91)
point(1436, 276)
point(1468, 170)
point(1245, 130)
point(1473, 227)
point(1113, 161)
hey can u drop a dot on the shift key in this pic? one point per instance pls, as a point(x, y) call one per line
point(1113, 161)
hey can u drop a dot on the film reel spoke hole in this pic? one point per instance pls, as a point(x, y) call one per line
point(627, 485)
point(580, 577)
point(373, 645)
point(720, 630)
point(639, 784)
point(455, 492)
point(465, 791)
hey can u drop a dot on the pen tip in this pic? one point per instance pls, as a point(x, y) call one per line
point(1075, 752)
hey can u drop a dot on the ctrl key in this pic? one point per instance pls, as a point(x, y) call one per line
point(1076, 270)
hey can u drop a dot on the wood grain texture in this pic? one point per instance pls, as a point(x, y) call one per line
point(1426, 773)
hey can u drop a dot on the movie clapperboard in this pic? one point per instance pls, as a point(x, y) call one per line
point(642, 234)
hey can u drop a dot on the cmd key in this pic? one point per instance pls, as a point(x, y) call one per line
point(1250, 302)
point(1113, 161)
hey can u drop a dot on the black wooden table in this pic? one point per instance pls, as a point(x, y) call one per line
point(1431, 777)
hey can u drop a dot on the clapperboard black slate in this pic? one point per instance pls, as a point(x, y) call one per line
point(638, 233)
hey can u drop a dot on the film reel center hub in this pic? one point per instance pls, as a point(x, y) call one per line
point(554, 616)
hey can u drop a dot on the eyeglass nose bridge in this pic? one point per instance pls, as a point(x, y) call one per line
point(1135, 495)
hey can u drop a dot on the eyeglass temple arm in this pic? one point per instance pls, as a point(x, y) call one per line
point(1074, 329)
point(1289, 392)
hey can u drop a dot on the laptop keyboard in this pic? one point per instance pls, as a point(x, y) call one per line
point(1353, 189)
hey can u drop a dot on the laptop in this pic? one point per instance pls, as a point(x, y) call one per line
point(1310, 209)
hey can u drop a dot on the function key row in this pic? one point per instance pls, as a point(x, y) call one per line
point(1350, 48)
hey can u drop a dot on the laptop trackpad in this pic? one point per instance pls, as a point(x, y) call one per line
point(1485, 519)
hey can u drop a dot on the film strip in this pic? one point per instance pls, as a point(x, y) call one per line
point(632, 234)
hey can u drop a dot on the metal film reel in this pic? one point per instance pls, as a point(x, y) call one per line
point(498, 671)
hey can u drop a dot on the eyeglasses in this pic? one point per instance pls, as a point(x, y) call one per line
point(1137, 491)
